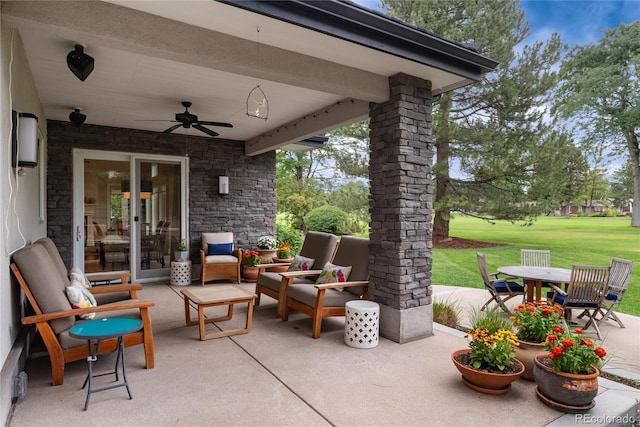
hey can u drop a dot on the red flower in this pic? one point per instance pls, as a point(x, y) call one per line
point(552, 338)
point(567, 343)
point(557, 330)
point(587, 342)
point(579, 331)
point(546, 312)
point(600, 352)
point(556, 352)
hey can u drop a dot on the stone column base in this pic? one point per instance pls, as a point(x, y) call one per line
point(406, 325)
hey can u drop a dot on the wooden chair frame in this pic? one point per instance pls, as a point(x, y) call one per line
point(587, 288)
point(60, 356)
point(499, 297)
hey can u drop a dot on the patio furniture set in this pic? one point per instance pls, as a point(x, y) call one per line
point(594, 290)
point(110, 318)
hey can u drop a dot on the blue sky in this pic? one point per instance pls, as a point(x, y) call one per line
point(578, 22)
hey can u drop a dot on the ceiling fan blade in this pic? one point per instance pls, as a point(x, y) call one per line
point(172, 128)
point(205, 130)
point(224, 125)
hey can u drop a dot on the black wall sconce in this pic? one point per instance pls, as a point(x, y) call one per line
point(223, 185)
point(80, 64)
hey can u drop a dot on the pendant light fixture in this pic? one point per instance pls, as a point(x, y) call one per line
point(257, 102)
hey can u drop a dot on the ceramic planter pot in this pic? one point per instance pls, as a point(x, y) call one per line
point(181, 256)
point(485, 382)
point(564, 391)
point(250, 273)
point(283, 268)
point(266, 255)
point(526, 352)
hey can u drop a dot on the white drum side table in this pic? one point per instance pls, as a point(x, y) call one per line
point(181, 273)
point(362, 324)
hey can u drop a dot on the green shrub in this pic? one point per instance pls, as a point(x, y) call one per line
point(288, 234)
point(327, 218)
point(446, 313)
point(491, 319)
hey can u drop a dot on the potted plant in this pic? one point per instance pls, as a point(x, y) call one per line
point(284, 256)
point(567, 377)
point(250, 269)
point(182, 254)
point(488, 365)
point(267, 248)
point(533, 321)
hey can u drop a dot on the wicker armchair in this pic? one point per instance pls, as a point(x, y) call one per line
point(220, 259)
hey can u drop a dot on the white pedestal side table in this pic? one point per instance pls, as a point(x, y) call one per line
point(181, 273)
point(362, 324)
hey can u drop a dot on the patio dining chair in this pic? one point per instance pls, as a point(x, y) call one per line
point(619, 277)
point(587, 288)
point(501, 290)
point(535, 257)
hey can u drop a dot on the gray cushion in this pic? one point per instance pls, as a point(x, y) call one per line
point(354, 252)
point(45, 282)
point(307, 294)
point(55, 255)
point(319, 246)
point(273, 280)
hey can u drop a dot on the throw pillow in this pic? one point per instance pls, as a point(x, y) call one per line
point(220, 249)
point(77, 274)
point(332, 273)
point(81, 297)
point(301, 263)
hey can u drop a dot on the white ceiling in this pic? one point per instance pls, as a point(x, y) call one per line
point(151, 55)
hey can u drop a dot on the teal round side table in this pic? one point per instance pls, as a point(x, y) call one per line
point(95, 331)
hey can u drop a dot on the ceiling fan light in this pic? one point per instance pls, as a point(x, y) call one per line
point(258, 104)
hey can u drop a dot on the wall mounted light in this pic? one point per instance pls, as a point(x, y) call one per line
point(80, 64)
point(223, 185)
point(146, 189)
point(24, 139)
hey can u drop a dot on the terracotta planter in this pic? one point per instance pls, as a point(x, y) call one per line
point(485, 382)
point(563, 391)
point(283, 268)
point(526, 352)
point(250, 273)
point(266, 255)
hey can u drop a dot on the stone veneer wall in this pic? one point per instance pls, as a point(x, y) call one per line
point(400, 166)
point(251, 200)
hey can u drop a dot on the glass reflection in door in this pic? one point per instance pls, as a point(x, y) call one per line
point(159, 215)
point(106, 215)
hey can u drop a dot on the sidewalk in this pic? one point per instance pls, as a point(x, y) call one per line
point(278, 375)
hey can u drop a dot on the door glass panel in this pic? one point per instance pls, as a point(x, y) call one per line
point(160, 215)
point(106, 215)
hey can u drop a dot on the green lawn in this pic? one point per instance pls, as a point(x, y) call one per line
point(583, 241)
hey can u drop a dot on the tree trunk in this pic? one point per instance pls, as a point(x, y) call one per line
point(441, 170)
point(441, 217)
point(634, 153)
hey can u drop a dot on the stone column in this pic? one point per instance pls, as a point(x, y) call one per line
point(400, 205)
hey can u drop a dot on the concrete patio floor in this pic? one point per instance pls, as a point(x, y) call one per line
point(278, 375)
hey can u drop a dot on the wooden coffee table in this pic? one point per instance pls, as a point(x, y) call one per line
point(218, 295)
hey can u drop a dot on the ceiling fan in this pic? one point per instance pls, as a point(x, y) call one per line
point(188, 120)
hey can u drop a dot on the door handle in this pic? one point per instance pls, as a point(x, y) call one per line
point(78, 234)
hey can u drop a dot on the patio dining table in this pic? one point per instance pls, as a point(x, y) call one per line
point(535, 276)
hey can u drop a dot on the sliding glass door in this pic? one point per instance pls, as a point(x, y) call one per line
point(129, 212)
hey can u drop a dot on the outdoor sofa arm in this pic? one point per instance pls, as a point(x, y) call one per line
point(122, 305)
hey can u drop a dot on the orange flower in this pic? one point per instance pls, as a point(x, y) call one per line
point(600, 352)
point(587, 342)
point(557, 330)
point(567, 343)
point(556, 352)
point(579, 331)
point(552, 338)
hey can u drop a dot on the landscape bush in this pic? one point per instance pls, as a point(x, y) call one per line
point(327, 218)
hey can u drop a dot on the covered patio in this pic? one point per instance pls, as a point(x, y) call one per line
point(278, 375)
